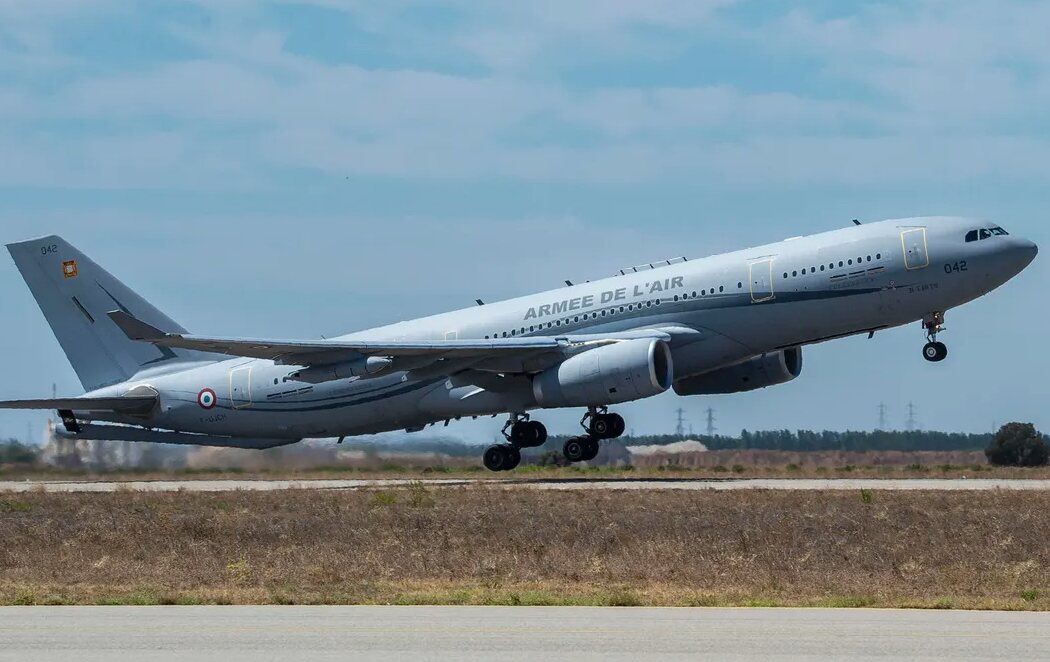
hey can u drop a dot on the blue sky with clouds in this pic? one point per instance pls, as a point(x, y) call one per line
point(312, 167)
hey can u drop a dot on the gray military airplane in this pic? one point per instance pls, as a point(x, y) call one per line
point(724, 324)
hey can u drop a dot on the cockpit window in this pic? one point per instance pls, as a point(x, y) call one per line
point(985, 233)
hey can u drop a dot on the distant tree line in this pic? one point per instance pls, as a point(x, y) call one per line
point(15, 452)
point(805, 440)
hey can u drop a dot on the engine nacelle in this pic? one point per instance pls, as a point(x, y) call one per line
point(621, 372)
point(759, 372)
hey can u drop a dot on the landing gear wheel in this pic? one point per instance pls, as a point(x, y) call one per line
point(502, 458)
point(593, 447)
point(575, 449)
point(524, 433)
point(513, 459)
point(607, 426)
point(528, 434)
point(602, 426)
point(935, 352)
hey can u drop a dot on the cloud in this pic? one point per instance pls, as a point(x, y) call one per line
point(886, 105)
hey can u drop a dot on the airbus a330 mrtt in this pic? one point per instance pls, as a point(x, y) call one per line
point(723, 324)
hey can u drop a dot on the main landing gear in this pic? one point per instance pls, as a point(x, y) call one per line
point(600, 425)
point(520, 432)
point(934, 351)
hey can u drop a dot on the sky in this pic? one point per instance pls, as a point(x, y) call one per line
point(315, 167)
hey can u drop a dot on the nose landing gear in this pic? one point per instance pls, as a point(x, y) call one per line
point(934, 351)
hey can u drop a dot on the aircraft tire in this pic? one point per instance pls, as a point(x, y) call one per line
point(601, 426)
point(539, 434)
point(935, 352)
point(528, 434)
point(496, 458)
point(593, 447)
point(513, 458)
point(575, 449)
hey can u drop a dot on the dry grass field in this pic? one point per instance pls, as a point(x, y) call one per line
point(487, 546)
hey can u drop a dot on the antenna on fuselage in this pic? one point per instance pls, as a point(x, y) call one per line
point(856, 222)
point(480, 302)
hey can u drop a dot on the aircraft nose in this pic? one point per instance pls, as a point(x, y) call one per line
point(1023, 252)
point(1027, 249)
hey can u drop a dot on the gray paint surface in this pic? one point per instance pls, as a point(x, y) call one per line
point(456, 633)
point(801, 484)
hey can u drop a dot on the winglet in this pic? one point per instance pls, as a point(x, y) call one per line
point(134, 328)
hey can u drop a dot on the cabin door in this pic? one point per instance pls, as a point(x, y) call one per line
point(916, 250)
point(241, 388)
point(762, 281)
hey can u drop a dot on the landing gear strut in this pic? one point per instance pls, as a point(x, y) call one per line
point(520, 432)
point(934, 351)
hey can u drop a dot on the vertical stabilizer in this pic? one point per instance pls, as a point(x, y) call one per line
point(75, 295)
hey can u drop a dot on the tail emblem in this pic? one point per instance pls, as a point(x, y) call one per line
point(69, 269)
point(207, 399)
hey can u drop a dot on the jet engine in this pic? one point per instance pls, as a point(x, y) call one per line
point(621, 372)
point(751, 375)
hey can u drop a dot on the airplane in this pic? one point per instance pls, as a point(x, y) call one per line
point(724, 324)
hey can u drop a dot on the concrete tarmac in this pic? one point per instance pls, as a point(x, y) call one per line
point(258, 634)
point(925, 484)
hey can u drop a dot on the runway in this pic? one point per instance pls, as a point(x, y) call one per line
point(452, 633)
point(804, 484)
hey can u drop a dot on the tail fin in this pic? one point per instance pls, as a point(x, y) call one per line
point(75, 295)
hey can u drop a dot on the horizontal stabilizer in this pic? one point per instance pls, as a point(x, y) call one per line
point(134, 328)
point(128, 405)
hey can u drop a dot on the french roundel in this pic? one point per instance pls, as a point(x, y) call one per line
point(207, 399)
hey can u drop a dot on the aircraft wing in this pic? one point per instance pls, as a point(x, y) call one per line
point(125, 405)
point(325, 352)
